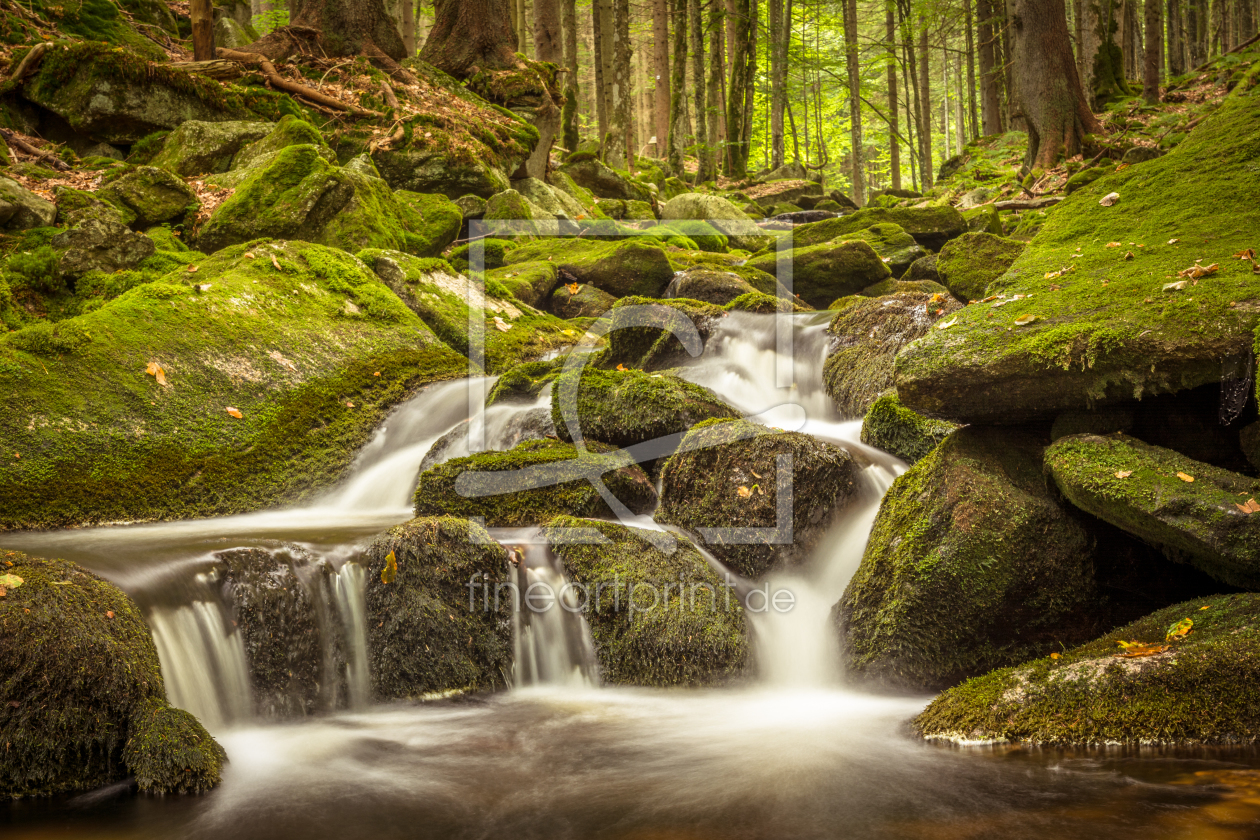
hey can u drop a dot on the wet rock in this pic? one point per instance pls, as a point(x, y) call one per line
point(972, 564)
point(655, 345)
point(971, 262)
point(497, 482)
point(1139, 488)
point(422, 636)
point(721, 286)
point(694, 635)
point(524, 383)
point(520, 426)
point(586, 302)
point(1104, 421)
point(196, 147)
point(895, 287)
point(1201, 690)
point(630, 267)
point(82, 703)
point(701, 489)
point(471, 206)
point(722, 214)
point(591, 174)
point(897, 430)
point(822, 273)
point(21, 209)
point(148, 196)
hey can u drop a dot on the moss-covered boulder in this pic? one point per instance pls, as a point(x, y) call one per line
point(82, 703)
point(890, 426)
point(822, 273)
point(635, 266)
point(1084, 178)
point(524, 383)
point(895, 247)
point(867, 335)
point(1193, 510)
point(521, 215)
point(21, 209)
point(923, 269)
point(894, 287)
point(1201, 689)
point(99, 243)
point(580, 300)
point(1094, 327)
point(492, 251)
point(725, 475)
point(657, 619)
point(289, 335)
point(196, 147)
point(537, 480)
point(722, 214)
point(444, 300)
point(972, 564)
point(422, 636)
point(625, 407)
point(290, 131)
point(604, 182)
point(649, 340)
point(554, 202)
point(721, 285)
point(148, 196)
point(968, 264)
point(931, 227)
point(531, 283)
point(984, 219)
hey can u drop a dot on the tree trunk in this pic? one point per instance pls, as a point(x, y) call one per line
point(973, 111)
point(409, 27)
point(660, 68)
point(700, 104)
point(1050, 97)
point(894, 147)
point(601, 21)
point(548, 43)
point(960, 116)
point(713, 86)
point(855, 101)
point(741, 90)
point(469, 33)
point(778, 78)
point(202, 12)
point(616, 153)
point(569, 117)
point(925, 100)
point(990, 101)
point(678, 93)
point(1150, 63)
point(1176, 42)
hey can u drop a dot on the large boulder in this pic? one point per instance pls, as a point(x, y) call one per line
point(537, 480)
point(968, 264)
point(1093, 327)
point(531, 283)
point(21, 209)
point(290, 336)
point(202, 148)
point(721, 285)
point(648, 340)
point(726, 475)
point(1193, 510)
point(628, 407)
point(931, 227)
point(580, 300)
point(590, 173)
point(657, 619)
point(557, 203)
point(1191, 690)
point(972, 564)
point(866, 337)
point(635, 266)
point(444, 299)
point(890, 426)
point(719, 212)
point(895, 247)
point(822, 273)
point(82, 703)
point(148, 196)
point(423, 637)
point(290, 131)
point(101, 242)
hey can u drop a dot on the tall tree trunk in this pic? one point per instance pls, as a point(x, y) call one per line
point(910, 80)
point(470, 33)
point(855, 101)
point(925, 99)
point(894, 146)
point(990, 100)
point(202, 13)
point(973, 111)
point(569, 116)
point(700, 104)
point(1150, 64)
point(778, 81)
point(548, 43)
point(1050, 97)
point(678, 93)
point(601, 11)
point(741, 91)
point(660, 68)
point(616, 153)
point(713, 86)
point(960, 116)
point(1176, 44)
point(409, 27)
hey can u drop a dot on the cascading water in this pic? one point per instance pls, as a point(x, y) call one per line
point(352, 607)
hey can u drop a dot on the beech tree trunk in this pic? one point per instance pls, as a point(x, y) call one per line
point(1176, 39)
point(894, 147)
point(713, 87)
point(1150, 64)
point(1050, 97)
point(699, 102)
point(925, 99)
point(778, 80)
point(202, 13)
point(973, 111)
point(548, 42)
point(678, 92)
point(572, 92)
point(660, 61)
point(616, 151)
point(468, 34)
point(740, 94)
point(855, 102)
point(601, 24)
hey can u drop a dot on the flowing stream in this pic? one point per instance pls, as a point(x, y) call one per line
point(794, 754)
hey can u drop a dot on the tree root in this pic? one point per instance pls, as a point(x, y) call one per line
point(288, 85)
point(20, 143)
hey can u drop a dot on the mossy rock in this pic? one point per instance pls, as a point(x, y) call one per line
point(1108, 420)
point(764, 304)
point(968, 264)
point(492, 251)
point(896, 248)
point(554, 202)
point(522, 384)
point(196, 147)
point(627, 407)
point(703, 234)
point(1201, 690)
point(21, 209)
point(422, 636)
point(586, 302)
point(923, 269)
point(521, 215)
point(972, 564)
point(1084, 178)
point(783, 208)
point(691, 634)
point(99, 243)
point(102, 442)
point(985, 219)
point(700, 488)
point(530, 282)
point(655, 345)
point(722, 214)
point(867, 335)
point(1095, 339)
point(931, 227)
point(471, 206)
point(896, 287)
point(1250, 439)
point(148, 196)
point(445, 300)
point(890, 426)
point(1138, 488)
point(540, 479)
point(82, 703)
point(604, 182)
point(821, 273)
point(431, 222)
point(632, 267)
point(713, 285)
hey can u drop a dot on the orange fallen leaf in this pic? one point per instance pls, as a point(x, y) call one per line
point(1251, 506)
point(1205, 607)
point(235, 412)
point(192, 269)
point(1179, 630)
point(744, 492)
point(1196, 271)
point(155, 370)
point(17, 454)
point(1133, 650)
point(1114, 244)
point(1124, 473)
point(349, 405)
point(573, 288)
point(378, 373)
point(249, 255)
point(1186, 478)
point(275, 262)
point(1246, 254)
point(109, 613)
point(1054, 656)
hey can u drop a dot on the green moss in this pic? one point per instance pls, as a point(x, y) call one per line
point(82, 703)
point(654, 346)
point(531, 283)
point(1204, 690)
point(493, 251)
point(554, 465)
point(100, 20)
point(633, 267)
point(971, 262)
point(821, 273)
point(897, 430)
point(931, 227)
point(524, 382)
point(692, 633)
point(764, 304)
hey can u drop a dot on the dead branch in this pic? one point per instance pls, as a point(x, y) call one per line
point(214, 69)
point(281, 83)
point(20, 143)
point(390, 99)
point(1033, 204)
point(30, 61)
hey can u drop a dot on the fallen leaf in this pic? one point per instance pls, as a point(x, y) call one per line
point(1175, 287)
point(1023, 320)
point(1179, 630)
point(275, 262)
point(378, 373)
point(1246, 254)
point(1133, 650)
point(1054, 656)
point(1128, 255)
point(10, 581)
point(155, 370)
point(109, 613)
point(1251, 506)
point(391, 568)
point(501, 325)
point(1196, 271)
point(203, 287)
point(744, 492)
point(349, 405)
point(622, 367)
point(1186, 478)
point(1124, 473)
point(235, 412)
point(249, 255)
point(1114, 244)
point(1173, 241)
point(192, 269)
point(944, 325)
point(17, 455)
point(573, 288)
point(1109, 199)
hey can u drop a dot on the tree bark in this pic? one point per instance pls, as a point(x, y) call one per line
point(990, 101)
point(548, 42)
point(855, 102)
point(1050, 97)
point(925, 100)
point(616, 152)
point(713, 86)
point(660, 62)
point(1150, 64)
point(740, 94)
point(468, 34)
point(601, 23)
point(678, 92)
point(572, 93)
point(1176, 42)
point(894, 147)
point(778, 88)
point(973, 111)
point(960, 116)
point(202, 13)
point(700, 105)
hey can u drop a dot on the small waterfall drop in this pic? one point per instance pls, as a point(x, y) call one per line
point(352, 607)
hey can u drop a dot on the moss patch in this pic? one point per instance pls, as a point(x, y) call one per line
point(897, 430)
point(968, 264)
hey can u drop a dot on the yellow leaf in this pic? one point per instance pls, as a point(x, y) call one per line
point(192, 269)
point(944, 325)
point(349, 405)
point(573, 288)
point(391, 568)
point(1054, 656)
point(1246, 254)
point(1179, 630)
point(1186, 478)
point(155, 370)
point(744, 492)
point(10, 581)
point(1025, 319)
point(1124, 473)
point(1205, 607)
point(275, 262)
point(378, 373)
point(1196, 271)
point(622, 367)
point(235, 412)
point(1128, 255)
point(1114, 244)
point(1133, 650)
point(249, 255)
point(1175, 286)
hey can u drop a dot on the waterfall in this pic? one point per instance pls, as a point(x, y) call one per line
point(352, 608)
